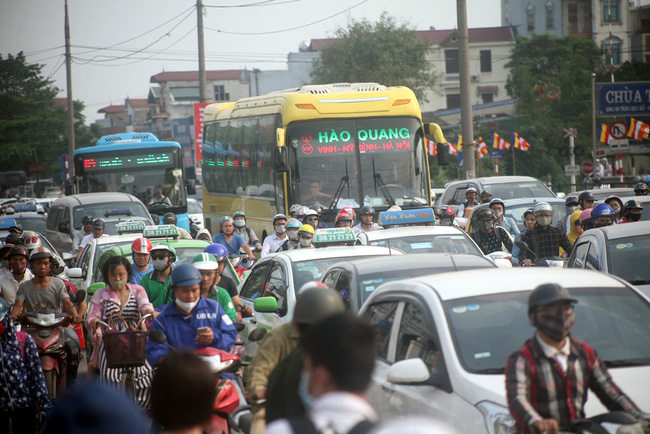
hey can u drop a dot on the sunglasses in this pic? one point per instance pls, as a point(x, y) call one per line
point(158, 256)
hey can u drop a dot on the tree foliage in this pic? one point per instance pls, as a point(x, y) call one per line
point(384, 52)
point(31, 125)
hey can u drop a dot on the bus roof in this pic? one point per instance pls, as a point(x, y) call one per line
point(126, 146)
point(319, 101)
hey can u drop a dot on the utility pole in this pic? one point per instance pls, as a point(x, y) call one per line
point(199, 28)
point(68, 77)
point(465, 93)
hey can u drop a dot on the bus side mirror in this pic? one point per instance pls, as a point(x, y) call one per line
point(281, 160)
point(191, 188)
point(442, 154)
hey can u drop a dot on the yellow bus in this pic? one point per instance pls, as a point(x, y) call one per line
point(334, 145)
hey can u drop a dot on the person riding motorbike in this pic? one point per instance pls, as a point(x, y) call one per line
point(570, 205)
point(529, 224)
point(586, 222)
point(448, 216)
point(156, 283)
point(632, 211)
point(208, 265)
point(498, 207)
point(617, 205)
point(293, 241)
point(45, 291)
point(544, 240)
point(190, 321)
point(97, 232)
point(4, 257)
point(273, 242)
point(141, 253)
point(586, 200)
point(204, 235)
point(466, 207)
point(221, 255)
point(366, 214)
point(170, 219)
point(306, 235)
point(547, 380)
point(488, 237)
point(31, 241)
point(603, 215)
point(230, 240)
point(248, 233)
point(86, 229)
point(18, 258)
point(641, 189)
point(311, 218)
point(486, 196)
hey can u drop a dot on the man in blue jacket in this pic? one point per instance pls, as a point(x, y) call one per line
point(190, 321)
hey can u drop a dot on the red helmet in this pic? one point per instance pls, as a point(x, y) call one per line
point(141, 245)
point(448, 216)
point(349, 210)
point(343, 216)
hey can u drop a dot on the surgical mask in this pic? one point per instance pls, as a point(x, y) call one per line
point(187, 307)
point(303, 391)
point(293, 235)
point(305, 242)
point(18, 268)
point(616, 209)
point(280, 229)
point(633, 217)
point(485, 224)
point(160, 264)
point(544, 221)
point(557, 326)
point(240, 223)
point(498, 214)
point(571, 209)
point(117, 284)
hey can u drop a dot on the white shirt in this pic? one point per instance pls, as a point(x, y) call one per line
point(78, 238)
point(333, 412)
point(87, 239)
point(9, 285)
point(373, 227)
point(272, 243)
point(561, 356)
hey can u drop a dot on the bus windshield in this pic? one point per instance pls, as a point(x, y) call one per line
point(154, 176)
point(372, 161)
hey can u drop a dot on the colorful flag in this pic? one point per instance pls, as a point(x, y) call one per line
point(452, 149)
point(638, 130)
point(520, 143)
point(482, 148)
point(603, 133)
point(498, 142)
point(432, 148)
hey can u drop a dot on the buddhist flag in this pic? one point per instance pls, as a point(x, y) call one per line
point(482, 148)
point(520, 143)
point(498, 142)
point(638, 130)
point(431, 147)
point(603, 133)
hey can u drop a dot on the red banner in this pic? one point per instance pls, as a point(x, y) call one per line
point(199, 107)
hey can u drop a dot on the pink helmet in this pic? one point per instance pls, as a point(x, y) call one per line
point(585, 215)
point(141, 245)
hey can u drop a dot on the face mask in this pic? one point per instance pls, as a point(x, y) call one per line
point(485, 224)
point(117, 284)
point(544, 221)
point(305, 242)
point(633, 217)
point(571, 209)
point(556, 326)
point(587, 224)
point(497, 214)
point(18, 268)
point(160, 264)
point(280, 229)
point(187, 307)
point(303, 391)
point(616, 209)
point(602, 225)
point(293, 235)
point(240, 223)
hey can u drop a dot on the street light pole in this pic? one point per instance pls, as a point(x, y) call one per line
point(465, 92)
point(68, 78)
point(199, 28)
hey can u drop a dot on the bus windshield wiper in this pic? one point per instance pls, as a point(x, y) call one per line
point(345, 180)
point(382, 185)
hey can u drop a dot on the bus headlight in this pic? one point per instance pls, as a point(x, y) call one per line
point(497, 418)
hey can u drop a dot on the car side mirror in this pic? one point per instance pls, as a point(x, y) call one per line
point(76, 273)
point(64, 227)
point(409, 371)
point(257, 334)
point(265, 304)
point(92, 289)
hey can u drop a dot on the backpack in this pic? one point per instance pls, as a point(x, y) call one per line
point(304, 425)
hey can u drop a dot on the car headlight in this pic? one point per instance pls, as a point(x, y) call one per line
point(497, 418)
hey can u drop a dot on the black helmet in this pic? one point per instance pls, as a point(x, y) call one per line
point(18, 250)
point(367, 210)
point(169, 218)
point(98, 224)
point(14, 239)
point(632, 204)
point(485, 193)
point(437, 211)
point(314, 302)
point(86, 219)
point(571, 201)
point(318, 207)
point(484, 213)
point(548, 293)
point(641, 188)
point(586, 195)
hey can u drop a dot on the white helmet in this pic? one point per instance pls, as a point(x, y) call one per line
point(542, 206)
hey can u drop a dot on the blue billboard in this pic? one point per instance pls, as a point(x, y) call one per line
point(624, 99)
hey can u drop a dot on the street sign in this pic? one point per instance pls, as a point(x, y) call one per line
point(570, 170)
point(587, 167)
point(624, 99)
point(496, 154)
point(619, 145)
point(601, 153)
point(570, 132)
point(618, 130)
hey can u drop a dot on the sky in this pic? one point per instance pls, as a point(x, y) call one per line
point(117, 45)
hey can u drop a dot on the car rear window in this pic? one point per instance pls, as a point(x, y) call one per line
point(517, 190)
point(99, 210)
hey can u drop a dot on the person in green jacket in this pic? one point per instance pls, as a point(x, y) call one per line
point(156, 283)
point(207, 264)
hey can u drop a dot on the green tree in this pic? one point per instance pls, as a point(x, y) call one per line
point(384, 52)
point(551, 78)
point(31, 125)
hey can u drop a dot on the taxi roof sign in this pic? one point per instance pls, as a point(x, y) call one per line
point(25, 207)
point(130, 227)
point(117, 211)
point(334, 235)
point(161, 231)
point(406, 217)
point(8, 223)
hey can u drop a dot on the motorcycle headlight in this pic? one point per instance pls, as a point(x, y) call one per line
point(497, 418)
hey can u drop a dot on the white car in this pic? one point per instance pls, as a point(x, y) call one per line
point(447, 338)
point(195, 212)
point(280, 275)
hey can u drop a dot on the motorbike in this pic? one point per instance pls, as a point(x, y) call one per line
point(46, 328)
point(608, 423)
point(549, 261)
point(240, 263)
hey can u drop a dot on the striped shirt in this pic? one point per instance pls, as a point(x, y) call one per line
point(538, 388)
point(545, 243)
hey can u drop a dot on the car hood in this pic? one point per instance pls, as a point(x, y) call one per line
point(629, 380)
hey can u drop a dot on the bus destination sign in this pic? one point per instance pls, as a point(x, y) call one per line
point(369, 140)
point(101, 163)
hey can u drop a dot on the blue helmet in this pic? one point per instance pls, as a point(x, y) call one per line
point(185, 275)
point(238, 214)
point(602, 209)
point(218, 250)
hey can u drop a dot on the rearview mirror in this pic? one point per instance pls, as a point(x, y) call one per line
point(92, 289)
point(157, 336)
point(265, 304)
point(191, 188)
point(64, 227)
point(281, 160)
point(408, 371)
point(76, 273)
point(257, 334)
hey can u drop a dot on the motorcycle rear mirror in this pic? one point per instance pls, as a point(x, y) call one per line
point(257, 334)
point(157, 336)
point(266, 304)
point(81, 296)
point(240, 326)
point(521, 244)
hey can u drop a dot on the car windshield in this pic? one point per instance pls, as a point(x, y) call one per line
point(306, 271)
point(430, 244)
point(517, 190)
point(624, 255)
point(113, 209)
point(486, 329)
point(36, 224)
point(194, 207)
point(517, 212)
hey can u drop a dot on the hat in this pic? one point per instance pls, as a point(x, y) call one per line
point(548, 293)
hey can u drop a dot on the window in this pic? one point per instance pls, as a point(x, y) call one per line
point(610, 11)
point(487, 98)
point(580, 255)
point(530, 18)
point(277, 287)
point(453, 101)
point(330, 278)
point(415, 338)
point(343, 288)
point(255, 282)
point(220, 93)
point(506, 13)
point(612, 48)
point(486, 60)
point(84, 261)
point(451, 61)
point(382, 317)
point(550, 12)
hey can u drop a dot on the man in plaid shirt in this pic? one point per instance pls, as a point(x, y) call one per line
point(544, 240)
point(548, 378)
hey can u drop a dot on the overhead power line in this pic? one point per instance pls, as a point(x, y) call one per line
point(249, 5)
